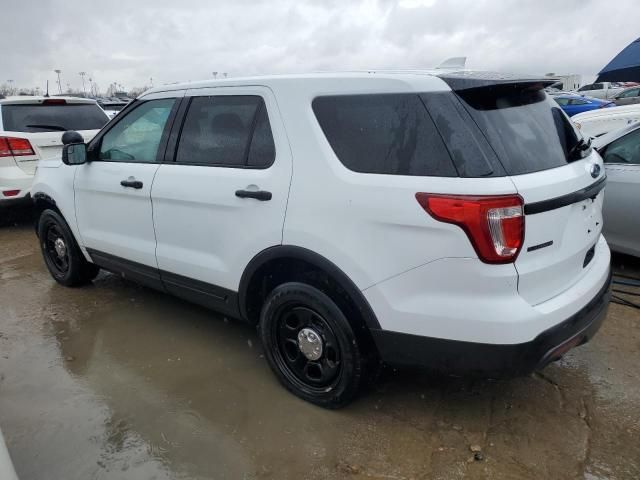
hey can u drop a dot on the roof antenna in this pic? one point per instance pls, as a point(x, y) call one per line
point(47, 93)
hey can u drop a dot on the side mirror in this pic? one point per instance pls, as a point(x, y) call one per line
point(74, 154)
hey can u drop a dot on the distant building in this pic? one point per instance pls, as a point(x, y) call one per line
point(570, 81)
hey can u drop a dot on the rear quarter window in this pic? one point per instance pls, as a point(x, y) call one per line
point(389, 134)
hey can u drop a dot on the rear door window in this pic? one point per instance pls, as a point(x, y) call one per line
point(527, 129)
point(383, 133)
point(226, 131)
point(53, 117)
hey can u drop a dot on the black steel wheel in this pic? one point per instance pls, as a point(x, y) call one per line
point(311, 346)
point(61, 253)
point(55, 249)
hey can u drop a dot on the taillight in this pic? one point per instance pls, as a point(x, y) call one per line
point(494, 224)
point(12, 146)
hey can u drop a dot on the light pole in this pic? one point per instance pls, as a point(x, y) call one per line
point(82, 74)
point(59, 84)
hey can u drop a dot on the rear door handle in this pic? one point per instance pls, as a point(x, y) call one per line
point(131, 183)
point(261, 195)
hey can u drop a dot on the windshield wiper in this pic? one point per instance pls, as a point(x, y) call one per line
point(59, 128)
point(580, 146)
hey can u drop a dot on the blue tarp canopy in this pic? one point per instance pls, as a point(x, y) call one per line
point(625, 67)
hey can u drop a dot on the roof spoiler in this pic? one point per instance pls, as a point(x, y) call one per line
point(466, 80)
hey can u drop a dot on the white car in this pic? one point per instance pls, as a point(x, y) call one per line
point(604, 90)
point(451, 220)
point(31, 129)
point(598, 122)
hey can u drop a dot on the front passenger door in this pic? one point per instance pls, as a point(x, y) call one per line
point(113, 190)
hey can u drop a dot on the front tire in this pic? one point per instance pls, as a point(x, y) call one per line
point(61, 253)
point(310, 345)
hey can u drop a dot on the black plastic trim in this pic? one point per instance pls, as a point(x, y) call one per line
point(495, 360)
point(138, 272)
point(211, 296)
point(553, 203)
point(206, 294)
point(299, 253)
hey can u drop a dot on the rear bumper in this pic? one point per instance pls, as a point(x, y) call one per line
point(497, 360)
point(23, 199)
point(13, 178)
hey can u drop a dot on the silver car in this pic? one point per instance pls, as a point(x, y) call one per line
point(620, 150)
point(628, 96)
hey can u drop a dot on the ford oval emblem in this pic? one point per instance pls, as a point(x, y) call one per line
point(595, 170)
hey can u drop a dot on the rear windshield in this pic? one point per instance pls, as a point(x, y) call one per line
point(51, 118)
point(528, 130)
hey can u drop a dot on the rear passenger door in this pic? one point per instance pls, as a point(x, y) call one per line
point(220, 197)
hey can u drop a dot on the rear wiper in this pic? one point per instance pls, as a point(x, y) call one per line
point(580, 146)
point(49, 127)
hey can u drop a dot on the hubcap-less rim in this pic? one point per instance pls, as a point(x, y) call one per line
point(308, 350)
point(56, 249)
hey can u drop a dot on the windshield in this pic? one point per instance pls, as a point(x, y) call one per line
point(51, 118)
point(527, 129)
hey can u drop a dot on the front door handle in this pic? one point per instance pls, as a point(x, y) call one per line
point(131, 183)
point(261, 195)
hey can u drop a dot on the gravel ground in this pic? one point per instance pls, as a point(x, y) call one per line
point(117, 381)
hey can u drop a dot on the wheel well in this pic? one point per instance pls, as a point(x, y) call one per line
point(276, 271)
point(41, 203)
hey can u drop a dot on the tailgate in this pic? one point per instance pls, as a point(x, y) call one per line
point(563, 221)
point(555, 171)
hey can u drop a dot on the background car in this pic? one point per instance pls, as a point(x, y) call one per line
point(31, 129)
point(112, 106)
point(621, 153)
point(601, 121)
point(628, 96)
point(573, 104)
point(601, 89)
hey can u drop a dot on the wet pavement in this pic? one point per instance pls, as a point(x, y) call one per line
point(117, 381)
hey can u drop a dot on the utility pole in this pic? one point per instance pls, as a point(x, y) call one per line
point(82, 74)
point(59, 84)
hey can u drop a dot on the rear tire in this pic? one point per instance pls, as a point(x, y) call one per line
point(310, 345)
point(61, 253)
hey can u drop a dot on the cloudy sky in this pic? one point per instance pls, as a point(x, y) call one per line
point(131, 41)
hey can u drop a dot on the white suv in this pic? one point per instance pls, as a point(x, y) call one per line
point(449, 220)
point(31, 129)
